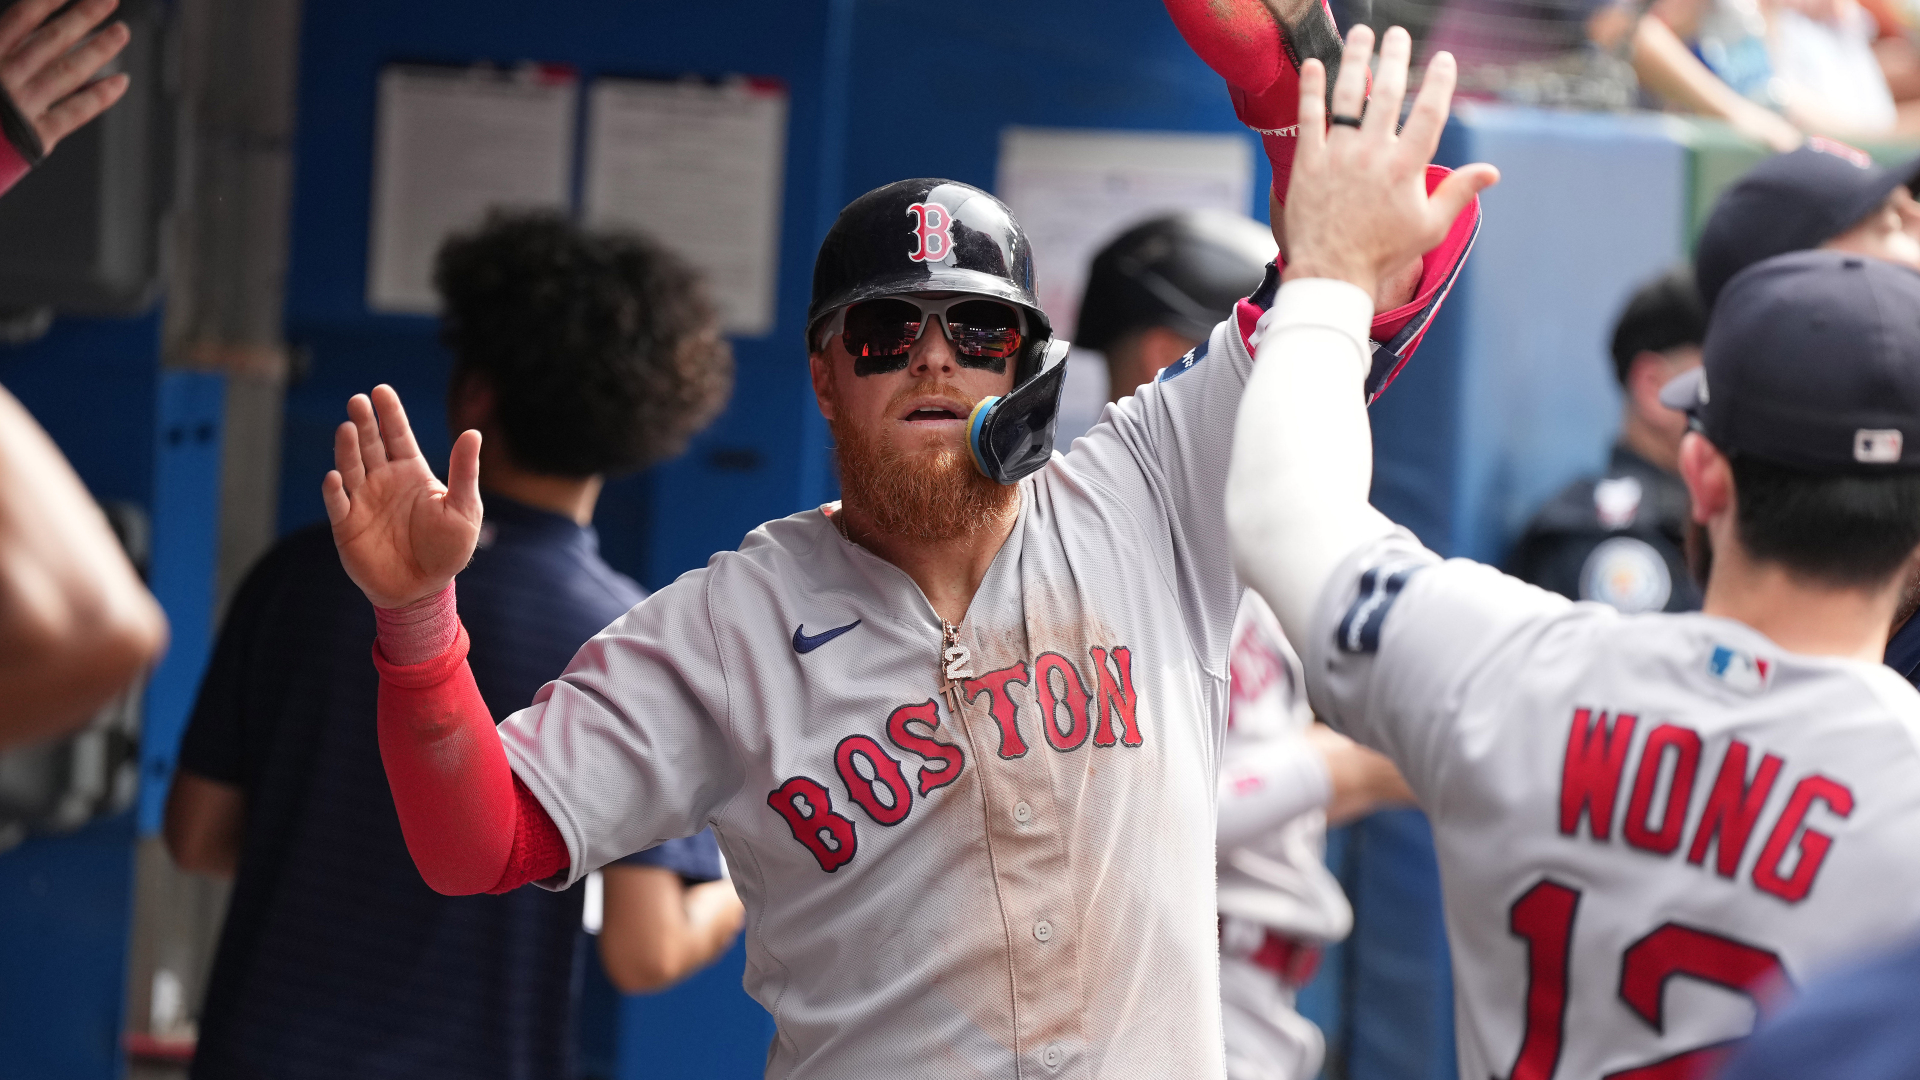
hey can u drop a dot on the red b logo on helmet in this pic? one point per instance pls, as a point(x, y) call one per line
point(933, 231)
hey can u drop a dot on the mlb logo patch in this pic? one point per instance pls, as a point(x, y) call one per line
point(1738, 669)
point(1877, 446)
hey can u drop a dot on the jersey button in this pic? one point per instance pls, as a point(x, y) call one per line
point(1050, 1057)
point(1043, 931)
point(1022, 813)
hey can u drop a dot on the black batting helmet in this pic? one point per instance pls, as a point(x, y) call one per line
point(930, 235)
point(1183, 271)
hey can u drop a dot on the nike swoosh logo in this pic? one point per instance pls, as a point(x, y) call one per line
point(806, 643)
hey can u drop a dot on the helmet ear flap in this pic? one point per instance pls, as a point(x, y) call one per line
point(1012, 436)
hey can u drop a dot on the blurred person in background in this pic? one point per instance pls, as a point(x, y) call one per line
point(579, 355)
point(1535, 46)
point(1832, 67)
point(76, 624)
point(1824, 195)
point(1830, 80)
point(47, 84)
point(1619, 538)
point(1153, 294)
point(1895, 48)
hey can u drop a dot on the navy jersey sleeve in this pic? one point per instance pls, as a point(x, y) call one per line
point(695, 858)
point(1903, 651)
point(215, 741)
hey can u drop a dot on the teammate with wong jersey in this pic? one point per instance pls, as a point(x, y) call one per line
point(1641, 821)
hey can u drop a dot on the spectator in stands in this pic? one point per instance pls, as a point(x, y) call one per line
point(1510, 34)
point(1815, 62)
point(577, 355)
point(1820, 69)
point(76, 624)
point(1619, 538)
point(1895, 49)
point(47, 84)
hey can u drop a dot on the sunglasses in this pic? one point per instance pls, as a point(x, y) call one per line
point(879, 333)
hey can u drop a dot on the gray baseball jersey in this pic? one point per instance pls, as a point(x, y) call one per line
point(1021, 888)
point(1642, 821)
point(1274, 790)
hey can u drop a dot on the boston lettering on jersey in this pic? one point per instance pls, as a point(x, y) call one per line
point(1072, 710)
point(1728, 818)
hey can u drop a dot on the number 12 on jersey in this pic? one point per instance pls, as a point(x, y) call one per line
point(1543, 918)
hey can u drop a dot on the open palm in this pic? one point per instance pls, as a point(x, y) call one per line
point(402, 534)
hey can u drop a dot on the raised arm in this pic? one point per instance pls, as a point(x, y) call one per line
point(1358, 208)
point(76, 624)
point(403, 535)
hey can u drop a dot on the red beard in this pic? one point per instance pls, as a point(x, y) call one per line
point(931, 494)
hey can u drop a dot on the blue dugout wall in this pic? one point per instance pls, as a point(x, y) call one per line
point(1509, 398)
point(136, 434)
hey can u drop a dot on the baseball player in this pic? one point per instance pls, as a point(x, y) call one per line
point(1620, 537)
point(1640, 820)
point(1152, 293)
point(958, 734)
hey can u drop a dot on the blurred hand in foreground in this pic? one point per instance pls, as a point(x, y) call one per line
point(47, 66)
point(402, 534)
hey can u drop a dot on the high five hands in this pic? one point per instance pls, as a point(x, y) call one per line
point(48, 70)
point(1358, 206)
point(402, 534)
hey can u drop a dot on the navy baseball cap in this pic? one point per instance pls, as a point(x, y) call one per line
point(1812, 361)
point(1792, 202)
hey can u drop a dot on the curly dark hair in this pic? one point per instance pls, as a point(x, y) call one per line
point(602, 348)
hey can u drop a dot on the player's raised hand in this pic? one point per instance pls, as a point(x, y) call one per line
point(402, 534)
point(47, 65)
point(1358, 208)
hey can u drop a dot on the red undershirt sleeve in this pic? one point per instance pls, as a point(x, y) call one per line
point(538, 850)
point(20, 146)
point(13, 165)
point(470, 825)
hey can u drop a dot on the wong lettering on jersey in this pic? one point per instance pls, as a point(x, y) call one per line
point(1643, 822)
point(1010, 878)
point(1670, 761)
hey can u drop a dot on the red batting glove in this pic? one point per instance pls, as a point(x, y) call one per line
point(1258, 47)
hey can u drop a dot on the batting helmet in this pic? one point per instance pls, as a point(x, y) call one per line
point(1183, 271)
point(935, 236)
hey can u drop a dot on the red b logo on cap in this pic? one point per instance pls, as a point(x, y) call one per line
point(933, 230)
point(1856, 158)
